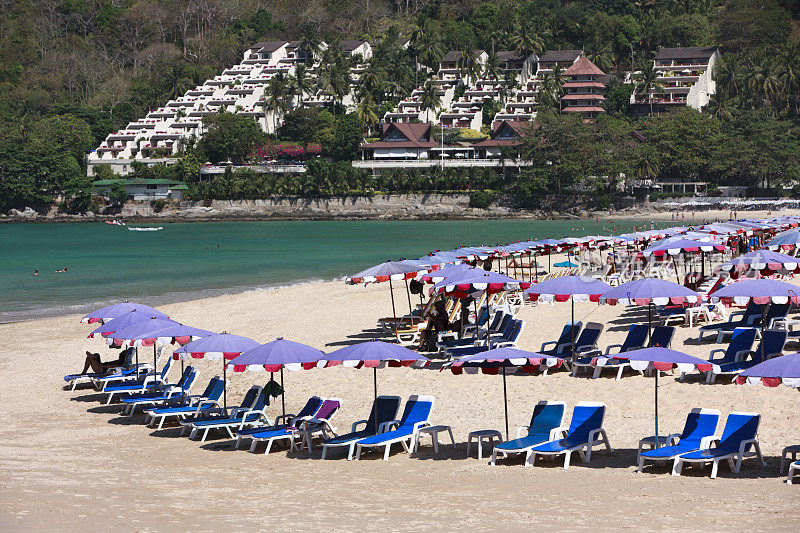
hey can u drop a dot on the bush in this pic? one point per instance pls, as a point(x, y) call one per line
point(158, 205)
point(481, 199)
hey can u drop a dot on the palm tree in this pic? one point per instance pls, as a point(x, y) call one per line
point(277, 98)
point(601, 55)
point(429, 98)
point(311, 45)
point(765, 86)
point(728, 74)
point(648, 165)
point(547, 96)
point(492, 68)
point(721, 106)
point(373, 80)
point(525, 40)
point(646, 82)
point(334, 76)
point(468, 63)
point(508, 85)
point(367, 113)
point(430, 47)
point(302, 84)
point(789, 72)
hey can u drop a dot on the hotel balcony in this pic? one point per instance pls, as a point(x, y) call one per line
point(222, 81)
point(222, 100)
point(165, 135)
point(162, 113)
point(122, 135)
point(203, 112)
point(252, 112)
point(242, 89)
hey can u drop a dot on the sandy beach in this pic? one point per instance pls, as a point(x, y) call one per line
point(71, 463)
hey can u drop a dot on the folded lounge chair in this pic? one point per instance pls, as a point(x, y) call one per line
point(509, 339)
point(749, 318)
point(196, 405)
point(320, 423)
point(792, 467)
point(416, 414)
point(585, 431)
point(739, 441)
point(771, 345)
point(101, 382)
point(701, 425)
point(133, 385)
point(256, 414)
point(169, 393)
point(546, 425)
point(384, 410)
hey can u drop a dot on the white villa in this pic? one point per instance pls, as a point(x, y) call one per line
point(159, 136)
point(684, 79)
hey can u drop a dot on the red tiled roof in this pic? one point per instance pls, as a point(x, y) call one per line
point(583, 67)
point(401, 144)
point(489, 143)
point(583, 84)
point(588, 96)
point(413, 131)
point(582, 109)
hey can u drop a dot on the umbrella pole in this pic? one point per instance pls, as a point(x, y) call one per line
point(649, 321)
point(375, 394)
point(224, 385)
point(155, 365)
point(136, 349)
point(656, 400)
point(675, 264)
point(572, 326)
point(763, 320)
point(548, 262)
point(535, 268)
point(702, 265)
point(408, 295)
point(505, 399)
point(394, 314)
point(283, 395)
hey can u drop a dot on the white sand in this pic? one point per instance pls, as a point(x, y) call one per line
point(69, 462)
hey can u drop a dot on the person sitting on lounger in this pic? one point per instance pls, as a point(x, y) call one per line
point(103, 368)
point(438, 322)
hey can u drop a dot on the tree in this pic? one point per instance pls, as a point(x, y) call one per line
point(429, 98)
point(647, 82)
point(468, 64)
point(310, 45)
point(301, 82)
point(277, 98)
point(304, 125)
point(229, 136)
point(347, 136)
point(526, 40)
point(367, 114)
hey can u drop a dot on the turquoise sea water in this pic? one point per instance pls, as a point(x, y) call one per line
point(191, 260)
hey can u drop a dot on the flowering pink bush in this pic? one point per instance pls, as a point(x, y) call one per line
point(285, 151)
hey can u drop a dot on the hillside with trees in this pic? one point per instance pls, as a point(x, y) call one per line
point(71, 71)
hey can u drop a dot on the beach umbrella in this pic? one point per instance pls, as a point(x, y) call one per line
point(683, 246)
point(374, 354)
point(496, 361)
point(123, 321)
point(572, 288)
point(785, 240)
point(275, 356)
point(224, 346)
point(438, 275)
point(388, 271)
point(759, 291)
point(784, 369)
point(113, 311)
point(565, 264)
point(472, 282)
point(658, 359)
point(119, 337)
point(762, 260)
point(649, 292)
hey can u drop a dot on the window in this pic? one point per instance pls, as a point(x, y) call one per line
point(394, 135)
point(152, 187)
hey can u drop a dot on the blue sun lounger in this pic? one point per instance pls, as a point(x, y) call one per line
point(792, 467)
point(660, 336)
point(320, 421)
point(170, 393)
point(240, 418)
point(416, 414)
point(507, 339)
point(134, 386)
point(636, 338)
point(249, 399)
point(699, 431)
point(101, 382)
point(309, 410)
point(585, 431)
point(569, 333)
point(196, 406)
point(73, 380)
point(546, 425)
point(749, 318)
point(771, 345)
point(739, 441)
point(384, 410)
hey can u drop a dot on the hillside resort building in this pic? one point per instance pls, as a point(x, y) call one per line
point(408, 132)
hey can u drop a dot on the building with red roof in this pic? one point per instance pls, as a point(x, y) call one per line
point(583, 90)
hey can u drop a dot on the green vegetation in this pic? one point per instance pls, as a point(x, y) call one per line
point(72, 71)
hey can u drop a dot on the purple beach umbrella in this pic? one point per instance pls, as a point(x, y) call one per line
point(762, 260)
point(496, 361)
point(110, 312)
point(784, 369)
point(131, 333)
point(217, 346)
point(659, 360)
point(274, 356)
point(122, 322)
